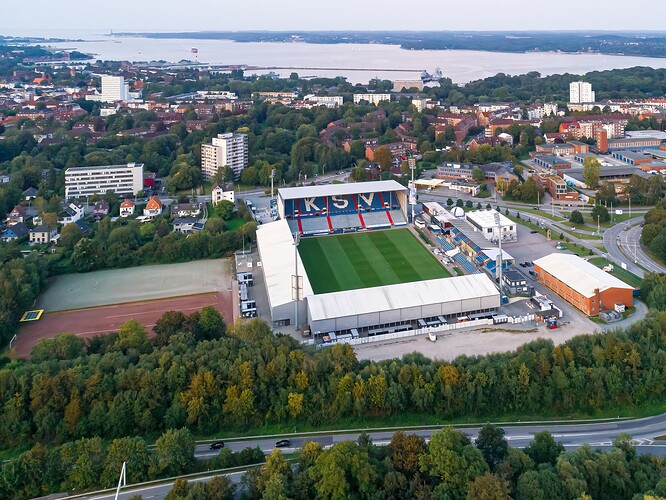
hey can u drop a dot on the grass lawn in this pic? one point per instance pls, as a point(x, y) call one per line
point(618, 272)
point(233, 224)
point(367, 259)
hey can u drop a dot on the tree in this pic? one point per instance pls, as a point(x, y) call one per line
point(449, 202)
point(174, 453)
point(384, 157)
point(459, 203)
point(135, 453)
point(492, 444)
point(606, 193)
point(169, 324)
point(542, 485)
point(70, 236)
point(249, 176)
point(357, 149)
point(591, 172)
point(478, 176)
point(454, 460)
point(210, 325)
point(488, 487)
point(601, 212)
point(468, 204)
point(576, 217)
point(543, 448)
point(132, 335)
point(224, 209)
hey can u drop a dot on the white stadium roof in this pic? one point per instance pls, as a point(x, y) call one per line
point(579, 274)
point(400, 296)
point(293, 193)
point(277, 254)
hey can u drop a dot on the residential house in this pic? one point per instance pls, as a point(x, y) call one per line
point(222, 192)
point(85, 228)
point(126, 208)
point(30, 194)
point(18, 214)
point(184, 224)
point(4, 179)
point(185, 209)
point(153, 207)
point(42, 234)
point(100, 210)
point(14, 232)
point(71, 212)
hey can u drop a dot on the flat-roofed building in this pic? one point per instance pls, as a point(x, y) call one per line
point(582, 284)
point(226, 151)
point(86, 181)
point(371, 98)
point(485, 221)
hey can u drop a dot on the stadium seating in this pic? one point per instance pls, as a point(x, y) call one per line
point(346, 222)
point(398, 217)
point(464, 263)
point(446, 246)
point(341, 208)
point(315, 225)
point(376, 220)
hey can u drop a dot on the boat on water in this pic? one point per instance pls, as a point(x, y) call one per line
point(427, 77)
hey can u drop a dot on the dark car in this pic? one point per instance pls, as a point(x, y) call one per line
point(284, 443)
point(217, 445)
point(534, 231)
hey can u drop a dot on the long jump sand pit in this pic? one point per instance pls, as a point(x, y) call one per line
point(117, 286)
point(99, 320)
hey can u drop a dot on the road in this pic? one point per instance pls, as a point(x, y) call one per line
point(573, 435)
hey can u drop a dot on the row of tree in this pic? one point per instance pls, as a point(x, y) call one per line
point(92, 464)
point(451, 467)
point(250, 377)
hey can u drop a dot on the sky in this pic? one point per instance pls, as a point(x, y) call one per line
point(54, 16)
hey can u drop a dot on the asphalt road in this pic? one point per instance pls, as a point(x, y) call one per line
point(598, 435)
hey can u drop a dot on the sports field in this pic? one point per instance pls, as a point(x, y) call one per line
point(367, 259)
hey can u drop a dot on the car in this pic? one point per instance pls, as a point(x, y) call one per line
point(522, 264)
point(217, 445)
point(534, 231)
point(535, 208)
point(283, 443)
point(573, 228)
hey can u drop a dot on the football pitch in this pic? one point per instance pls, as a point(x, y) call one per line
point(367, 259)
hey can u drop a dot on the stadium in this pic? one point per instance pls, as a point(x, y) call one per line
point(342, 259)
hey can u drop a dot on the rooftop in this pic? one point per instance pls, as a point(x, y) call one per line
point(293, 193)
point(579, 274)
point(400, 296)
point(100, 167)
point(486, 218)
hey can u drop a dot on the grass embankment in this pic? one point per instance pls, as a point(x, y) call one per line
point(618, 272)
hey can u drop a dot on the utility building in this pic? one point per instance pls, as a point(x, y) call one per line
point(582, 284)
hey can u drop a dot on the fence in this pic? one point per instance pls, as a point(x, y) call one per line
point(449, 327)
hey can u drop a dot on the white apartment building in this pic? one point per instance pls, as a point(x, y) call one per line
point(114, 89)
point(86, 181)
point(327, 100)
point(227, 150)
point(580, 92)
point(371, 98)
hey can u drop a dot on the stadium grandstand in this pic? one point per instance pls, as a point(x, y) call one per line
point(342, 208)
point(343, 244)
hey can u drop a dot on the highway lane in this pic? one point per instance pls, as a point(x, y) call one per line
point(572, 435)
point(618, 235)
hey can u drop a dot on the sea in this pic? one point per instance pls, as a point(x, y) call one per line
point(359, 63)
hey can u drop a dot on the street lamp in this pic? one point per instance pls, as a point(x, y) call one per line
point(272, 177)
point(295, 280)
point(598, 228)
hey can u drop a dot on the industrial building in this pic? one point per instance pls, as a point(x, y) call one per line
point(86, 181)
point(485, 222)
point(582, 284)
point(401, 304)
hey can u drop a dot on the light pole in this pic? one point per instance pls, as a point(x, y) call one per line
point(412, 167)
point(295, 280)
point(272, 177)
point(630, 206)
point(499, 240)
point(122, 480)
point(598, 228)
point(299, 177)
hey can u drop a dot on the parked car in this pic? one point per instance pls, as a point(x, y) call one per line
point(534, 231)
point(283, 443)
point(217, 445)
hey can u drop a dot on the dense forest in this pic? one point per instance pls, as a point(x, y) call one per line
point(203, 377)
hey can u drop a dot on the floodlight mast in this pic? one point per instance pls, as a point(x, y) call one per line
point(499, 239)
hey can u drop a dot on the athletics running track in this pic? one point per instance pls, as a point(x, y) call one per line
point(99, 320)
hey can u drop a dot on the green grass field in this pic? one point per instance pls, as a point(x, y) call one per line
point(367, 259)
